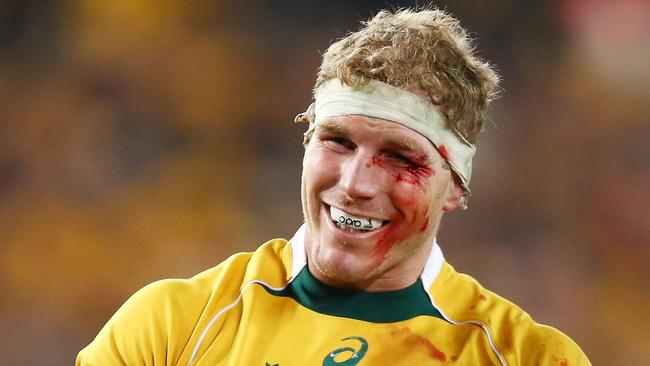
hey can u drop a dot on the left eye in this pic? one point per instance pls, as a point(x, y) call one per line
point(403, 159)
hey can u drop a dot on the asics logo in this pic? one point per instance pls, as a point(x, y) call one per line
point(354, 356)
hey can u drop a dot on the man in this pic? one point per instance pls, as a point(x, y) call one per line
point(398, 106)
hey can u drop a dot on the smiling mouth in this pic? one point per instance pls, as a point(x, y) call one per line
point(352, 223)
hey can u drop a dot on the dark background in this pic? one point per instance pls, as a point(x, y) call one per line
point(148, 139)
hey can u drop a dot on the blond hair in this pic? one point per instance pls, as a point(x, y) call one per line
point(423, 50)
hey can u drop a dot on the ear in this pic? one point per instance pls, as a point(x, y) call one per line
point(454, 197)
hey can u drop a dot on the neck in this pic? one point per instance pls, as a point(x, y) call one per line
point(394, 276)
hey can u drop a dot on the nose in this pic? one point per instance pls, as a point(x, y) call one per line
point(359, 178)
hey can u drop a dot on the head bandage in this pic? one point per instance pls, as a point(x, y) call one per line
point(380, 100)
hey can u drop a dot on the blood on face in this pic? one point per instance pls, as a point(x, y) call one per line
point(443, 151)
point(403, 172)
point(412, 174)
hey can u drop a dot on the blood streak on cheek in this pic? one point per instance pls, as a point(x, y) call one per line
point(416, 175)
point(399, 229)
point(387, 241)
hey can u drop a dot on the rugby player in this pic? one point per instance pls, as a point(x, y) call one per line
point(398, 106)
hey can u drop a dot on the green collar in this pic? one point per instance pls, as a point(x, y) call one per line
point(376, 307)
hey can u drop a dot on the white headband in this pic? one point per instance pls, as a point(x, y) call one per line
point(380, 100)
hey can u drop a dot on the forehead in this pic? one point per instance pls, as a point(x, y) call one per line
point(377, 130)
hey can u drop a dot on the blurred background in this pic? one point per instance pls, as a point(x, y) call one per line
point(144, 139)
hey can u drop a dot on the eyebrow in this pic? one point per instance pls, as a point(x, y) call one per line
point(332, 127)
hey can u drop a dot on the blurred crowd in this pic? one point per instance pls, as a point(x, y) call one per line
point(144, 139)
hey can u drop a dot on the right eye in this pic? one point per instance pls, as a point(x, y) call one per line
point(338, 142)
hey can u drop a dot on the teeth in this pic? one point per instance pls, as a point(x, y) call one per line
point(345, 220)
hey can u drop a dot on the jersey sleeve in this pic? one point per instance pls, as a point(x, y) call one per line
point(152, 327)
point(138, 333)
point(162, 322)
point(547, 346)
point(515, 338)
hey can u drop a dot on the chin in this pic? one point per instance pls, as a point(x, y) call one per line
point(340, 266)
point(342, 262)
point(340, 275)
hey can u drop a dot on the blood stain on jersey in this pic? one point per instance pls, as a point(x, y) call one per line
point(562, 361)
point(408, 336)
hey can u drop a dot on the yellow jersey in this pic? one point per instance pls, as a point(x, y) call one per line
point(266, 309)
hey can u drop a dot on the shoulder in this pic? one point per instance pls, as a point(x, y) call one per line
point(227, 277)
point(515, 335)
point(156, 321)
point(271, 259)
